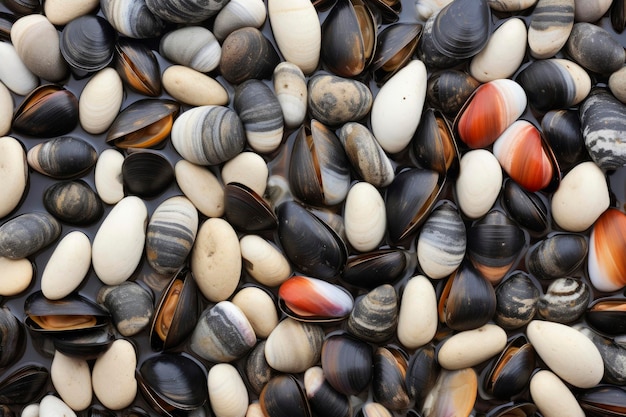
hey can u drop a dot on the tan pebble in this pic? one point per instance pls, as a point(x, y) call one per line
point(263, 261)
point(61, 12)
point(192, 87)
point(6, 110)
point(67, 267)
point(71, 378)
point(259, 308)
point(113, 375)
point(617, 84)
point(254, 410)
point(471, 347)
point(100, 101)
point(479, 182)
point(249, 169)
point(227, 391)
point(53, 406)
point(16, 276)
point(294, 346)
point(552, 397)
point(417, 320)
point(365, 219)
point(201, 187)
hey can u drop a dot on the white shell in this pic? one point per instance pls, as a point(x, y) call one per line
point(297, 31)
point(239, 14)
point(291, 92)
point(216, 259)
point(192, 46)
point(51, 406)
point(16, 276)
point(427, 8)
point(13, 172)
point(417, 320)
point(263, 261)
point(249, 169)
point(100, 101)
point(71, 378)
point(550, 25)
point(397, 108)
point(113, 375)
point(581, 198)
point(61, 12)
point(108, 176)
point(503, 54)
point(294, 346)
point(567, 352)
point(479, 182)
point(192, 87)
point(6, 110)
point(228, 394)
point(67, 267)
point(259, 308)
point(116, 254)
point(201, 187)
point(471, 347)
point(552, 397)
point(364, 217)
point(14, 73)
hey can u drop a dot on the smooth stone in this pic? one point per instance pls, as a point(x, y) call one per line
point(62, 157)
point(71, 378)
point(108, 176)
point(237, 14)
point(67, 267)
point(335, 100)
point(17, 275)
point(6, 109)
point(100, 101)
point(503, 54)
point(552, 397)
point(61, 12)
point(201, 187)
point(397, 108)
point(194, 47)
point(291, 91)
point(113, 375)
point(130, 304)
point(581, 198)
point(479, 182)
point(31, 410)
point(249, 169)
point(73, 202)
point(567, 352)
point(595, 48)
point(192, 87)
point(14, 74)
point(590, 11)
point(550, 26)
point(263, 261)
point(13, 173)
point(260, 309)
point(294, 346)
point(216, 259)
point(613, 355)
point(364, 217)
point(51, 406)
point(617, 84)
point(255, 410)
point(27, 233)
point(228, 394)
point(471, 347)
point(115, 255)
point(418, 318)
point(511, 5)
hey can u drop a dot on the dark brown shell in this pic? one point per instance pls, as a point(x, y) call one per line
point(347, 363)
point(433, 145)
point(510, 373)
point(146, 174)
point(396, 46)
point(247, 53)
point(283, 395)
point(49, 110)
point(246, 210)
point(371, 269)
point(138, 67)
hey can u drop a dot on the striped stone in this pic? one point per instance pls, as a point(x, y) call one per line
point(550, 26)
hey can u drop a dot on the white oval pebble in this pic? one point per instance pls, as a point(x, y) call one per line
point(228, 394)
point(201, 187)
point(263, 261)
point(418, 319)
point(14, 73)
point(216, 259)
point(192, 87)
point(365, 217)
point(13, 173)
point(31, 410)
point(51, 406)
point(291, 92)
point(581, 198)
point(100, 101)
point(113, 375)
point(67, 266)
point(552, 397)
point(294, 346)
point(6, 110)
point(567, 352)
point(259, 309)
point(471, 347)
point(108, 176)
point(61, 12)
point(71, 378)
point(16, 276)
point(249, 169)
point(118, 244)
point(479, 182)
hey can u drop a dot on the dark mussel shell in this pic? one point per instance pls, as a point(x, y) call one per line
point(187, 12)
point(323, 398)
point(87, 345)
point(63, 157)
point(319, 171)
point(396, 45)
point(448, 90)
point(6, 23)
point(176, 312)
point(374, 317)
point(409, 199)
point(138, 67)
point(462, 28)
point(284, 396)
point(371, 269)
point(73, 313)
point(247, 53)
point(557, 256)
point(347, 363)
point(509, 374)
point(87, 43)
point(604, 401)
point(433, 145)
point(144, 124)
point(513, 410)
point(421, 373)
point(172, 383)
point(24, 385)
point(608, 315)
point(389, 10)
point(314, 300)
point(388, 383)
point(493, 244)
point(73, 202)
point(526, 208)
point(516, 301)
point(23, 7)
point(246, 210)
point(618, 15)
point(12, 338)
point(49, 110)
point(349, 38)
point(146, 174)
point(562, 131)
point(310, 244)
point(468, 300)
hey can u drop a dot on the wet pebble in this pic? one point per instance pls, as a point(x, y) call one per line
point(130, 305)
point(73, 202)
point(552, 396)
point(67, 267)
point(550, 26)
point(108, 176)
point(595, 49)
point(336, 100)
point(291, 91)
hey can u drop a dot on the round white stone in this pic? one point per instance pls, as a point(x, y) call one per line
point(108, 176)
point(365, 218)
point(16, 276)
point(67, 267)
point(51, 406)
point(228, 394)
point(479, 182)
point(201, 187)
point(192, 87)
point(259, 309)
point(113, 375)
point(71, 378)
point(418, 319)
point(249, 169)
point(263, 261)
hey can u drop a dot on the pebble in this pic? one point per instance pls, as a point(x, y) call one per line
point(31, 410)
point(417, 321)
point(294, 346)
point(364, 217)
point(113, 375)
point(130, 304)
point(100, 101)
point(249, 169)
point(264, 261)
point(590, 11)
point(71, 378)
point(259, 308)
point(51, 406)
point(471, 347)
point(67, 267)
point(552, 397)
point(14, 74)
point(291, 92)
point(13, 171)
point(61, 12)
point(227, 391)
point(617, 84)
point(16, 276)
point(6, 110)
point(192, 87)
point(108, 176)
point(335, 100)
point(28, 233)
point(479, 182)
point(201, 187)
point(550, 26)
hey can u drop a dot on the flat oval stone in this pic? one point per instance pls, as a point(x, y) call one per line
point(550, 26)
point(417, 322)
point(115, 255)
point(294, 346)
point(595, 48)
point(192, 87)
point(28, 233)
point(216, 259)
point(13, 173)
point(364, 217)
point(16, 276)
point(73, 202)
point(71, 378)
point(54, 406)
point(471, 347)
point(61, 12)
point(201, 187)
point(479, 182)
point(113, 375)
point(67, 267)
point(6, 110)
point(335, 100)
point(264, 261)
point(227, 391)
point(567, 352)
point(108, 176)
point(100, 101)
point(552, 397)
point(62, 157)
point(259, 308)
point(249, 169)
point(581, 198)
